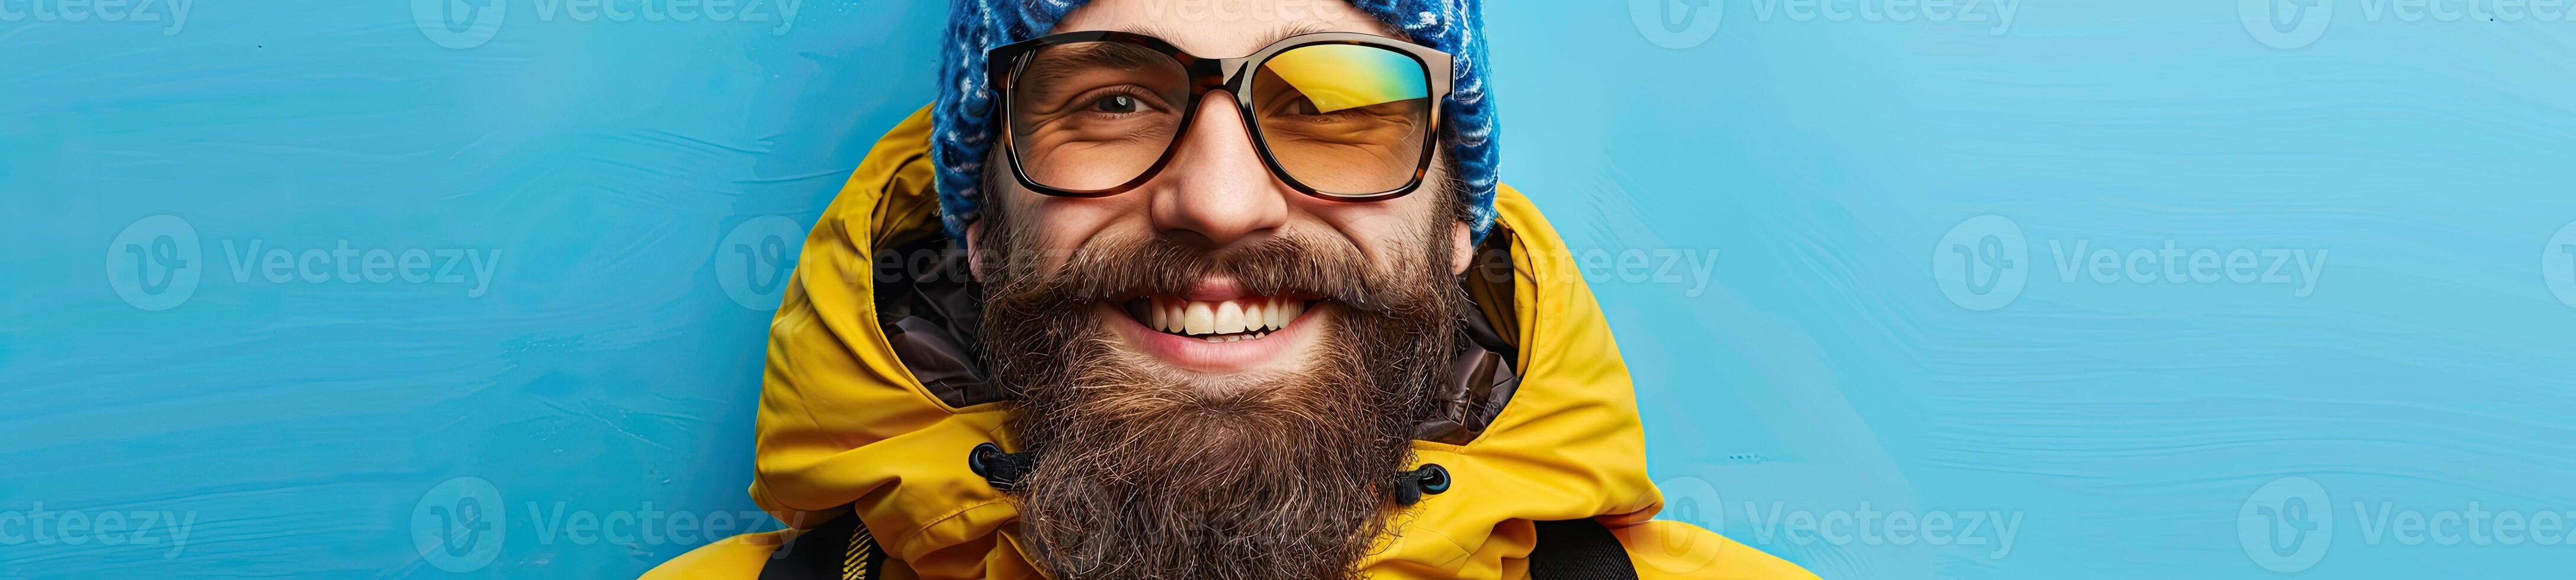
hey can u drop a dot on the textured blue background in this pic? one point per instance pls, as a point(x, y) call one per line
point(612, 172)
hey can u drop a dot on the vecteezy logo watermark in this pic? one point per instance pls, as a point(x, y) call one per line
point(458, 23)
point(2285, 23)
point(155, 263)
point(39, 526)
point(459, 525)
point(2298, 23)
point(2558, 265)
point(755, 259)
point(2286, 525)
point(1693, 501)
point(470, 23)
point(1983, 263)
point(173, 12)
point(1677, 24)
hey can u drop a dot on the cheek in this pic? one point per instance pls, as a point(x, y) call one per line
point(1059, 225)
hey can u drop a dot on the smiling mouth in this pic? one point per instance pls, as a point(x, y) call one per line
point(1249, 318)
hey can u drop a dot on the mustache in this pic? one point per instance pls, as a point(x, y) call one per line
point(1288, 263)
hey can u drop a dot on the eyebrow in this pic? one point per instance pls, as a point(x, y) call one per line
point(1066, 61)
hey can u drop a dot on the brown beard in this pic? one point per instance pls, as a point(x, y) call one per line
point(1144, 472)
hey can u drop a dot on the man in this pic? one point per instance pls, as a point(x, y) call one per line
point(1241, 299)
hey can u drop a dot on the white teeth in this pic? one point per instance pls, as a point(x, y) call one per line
point(1199, 318)
point(1229, 317)
point(1248, 319)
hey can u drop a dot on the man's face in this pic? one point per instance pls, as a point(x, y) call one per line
point(1220, 374)
point(1217, 196)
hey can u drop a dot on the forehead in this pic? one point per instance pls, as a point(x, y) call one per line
point(1222, 28)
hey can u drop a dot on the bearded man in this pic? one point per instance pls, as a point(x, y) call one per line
point(1193, 289)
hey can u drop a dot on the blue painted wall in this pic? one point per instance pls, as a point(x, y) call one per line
point(1840, 360)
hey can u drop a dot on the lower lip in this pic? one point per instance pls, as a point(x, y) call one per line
point(1200, 355)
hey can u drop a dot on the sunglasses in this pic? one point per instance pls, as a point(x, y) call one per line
point(1335, 115)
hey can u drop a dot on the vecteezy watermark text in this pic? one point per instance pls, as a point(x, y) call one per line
point(42, 527)
point(346, 265)
point(1869, 526)
point(158, 262)
point(1680, 24)
point(1984, 263)
point(470, 23)
point(2289, 524)
point(644, 526)
point(173, 14)
point(462, 524)
point(1254, 11)
point(1689, 268)
point(1692, 500)
point(2176, 265)
point(1996, 14)
point(2297, 23)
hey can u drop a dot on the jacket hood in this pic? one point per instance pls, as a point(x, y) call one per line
point(847, 426)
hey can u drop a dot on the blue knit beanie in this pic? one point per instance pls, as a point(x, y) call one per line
point(964, 137)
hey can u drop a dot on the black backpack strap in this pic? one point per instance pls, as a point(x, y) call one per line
point(1579, 550)
point(841, 548)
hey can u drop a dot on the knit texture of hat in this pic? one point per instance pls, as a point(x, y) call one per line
point(964, 135)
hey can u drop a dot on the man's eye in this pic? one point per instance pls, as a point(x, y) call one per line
point(1303, 106)
point(1117, 104)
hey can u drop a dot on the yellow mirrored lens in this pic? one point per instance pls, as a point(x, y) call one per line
point(1344, 76)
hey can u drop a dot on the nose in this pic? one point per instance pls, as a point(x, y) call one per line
point(1216, 191)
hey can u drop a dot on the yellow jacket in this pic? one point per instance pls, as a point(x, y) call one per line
point(845, 427)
